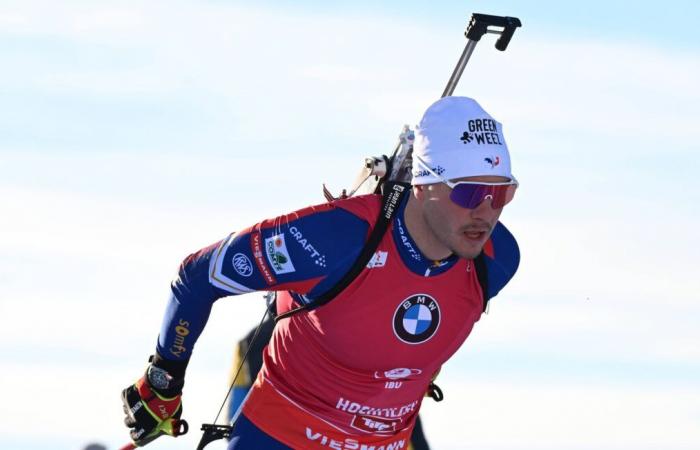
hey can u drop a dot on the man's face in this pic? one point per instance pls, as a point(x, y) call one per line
point(463, 231)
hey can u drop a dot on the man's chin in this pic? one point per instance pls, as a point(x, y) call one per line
point(468, 254)
point(470, 251)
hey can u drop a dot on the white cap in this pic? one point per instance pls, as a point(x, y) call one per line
point(456, 138)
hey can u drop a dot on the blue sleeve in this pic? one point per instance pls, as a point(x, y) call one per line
point(506, 259)
point(305, 252)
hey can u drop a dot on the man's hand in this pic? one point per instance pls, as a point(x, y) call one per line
point(153, 406)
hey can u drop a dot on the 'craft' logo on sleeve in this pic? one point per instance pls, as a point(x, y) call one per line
point(318, 258)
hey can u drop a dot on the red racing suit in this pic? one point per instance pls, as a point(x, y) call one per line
point(351, 374)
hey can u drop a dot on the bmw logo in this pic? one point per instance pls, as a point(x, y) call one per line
point(416, 319)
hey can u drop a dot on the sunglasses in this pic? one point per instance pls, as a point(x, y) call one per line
point(470, 194)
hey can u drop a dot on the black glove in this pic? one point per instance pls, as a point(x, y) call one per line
point(153, 405)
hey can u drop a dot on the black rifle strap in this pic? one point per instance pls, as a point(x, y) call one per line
point(482, 276)
point(394, 193)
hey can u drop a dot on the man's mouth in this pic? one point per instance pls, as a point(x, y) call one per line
point(475, 235)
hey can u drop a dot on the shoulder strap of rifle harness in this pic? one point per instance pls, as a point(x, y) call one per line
point(393, 194)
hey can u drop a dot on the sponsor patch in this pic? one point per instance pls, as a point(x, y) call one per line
point(259, 260)
point(322, 440)
point(318, 258)
point(416, 319)
point(426, 173)
point(181, 331)
point(482, 131)
point(389, 413)
point(397, 374)
point(406, 241)
point(242, 265)
point(378, 259)
point(278, 255)
point(374, 424)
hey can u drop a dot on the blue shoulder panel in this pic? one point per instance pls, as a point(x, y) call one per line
point(505, 261)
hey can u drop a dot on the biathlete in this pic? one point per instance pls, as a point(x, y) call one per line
point(352, 373)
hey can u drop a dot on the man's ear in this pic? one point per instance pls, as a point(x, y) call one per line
point(419, 192)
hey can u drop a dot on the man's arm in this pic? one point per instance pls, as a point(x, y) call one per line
point(305, 252)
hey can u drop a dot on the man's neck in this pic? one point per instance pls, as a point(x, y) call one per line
point(421, 233)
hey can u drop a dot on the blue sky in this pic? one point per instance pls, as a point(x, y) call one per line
point(670, 23)
point(132, 133)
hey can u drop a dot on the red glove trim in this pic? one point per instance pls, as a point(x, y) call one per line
point(161, 407)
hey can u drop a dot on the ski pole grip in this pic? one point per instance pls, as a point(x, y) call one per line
point(479, 24)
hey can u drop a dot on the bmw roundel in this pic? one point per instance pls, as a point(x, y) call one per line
point(417, 319)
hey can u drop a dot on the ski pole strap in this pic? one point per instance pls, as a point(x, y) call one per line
point(482, 276)
point(393, 195)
